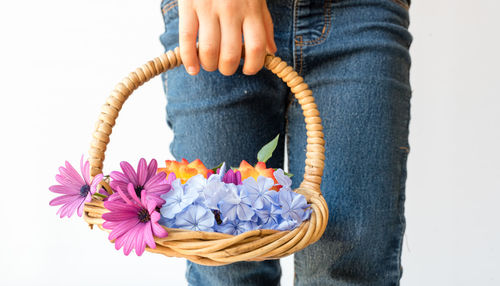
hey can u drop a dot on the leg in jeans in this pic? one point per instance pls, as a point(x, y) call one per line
point(217, 118)
point(354, 55)
point(356, 62)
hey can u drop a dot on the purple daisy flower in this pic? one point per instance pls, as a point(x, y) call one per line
point(146, 179)
point(75, 190)
point(133, 222)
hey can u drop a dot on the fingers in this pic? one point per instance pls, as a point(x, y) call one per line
point(219, 26)
point(230, 49)
point(209, 40)
point(254, 35)
point(188, 30)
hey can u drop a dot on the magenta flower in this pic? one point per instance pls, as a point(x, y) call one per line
point(232, 177)
point(146, 179)
point(133, 222)
point(75, 190)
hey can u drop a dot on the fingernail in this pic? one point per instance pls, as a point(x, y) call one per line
point(191, 70)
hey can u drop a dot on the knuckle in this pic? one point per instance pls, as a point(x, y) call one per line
point(256, 50)
point(186, 34)
point(228, 6)
point(187, 58)
point(229, 61)
point(209, 50)
point(208, 59)
point(254, 6)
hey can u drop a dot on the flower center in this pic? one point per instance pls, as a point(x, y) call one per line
point(138, 190)
point(84, 190)
point(143, 215)
point(217, 216)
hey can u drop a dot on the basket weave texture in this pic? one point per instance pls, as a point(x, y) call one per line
point(213, 248)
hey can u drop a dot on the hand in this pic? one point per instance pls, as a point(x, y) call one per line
point(220, 25)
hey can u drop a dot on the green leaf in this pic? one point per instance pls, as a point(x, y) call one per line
point(267, 151)
point(286, 174)
point(217, 167)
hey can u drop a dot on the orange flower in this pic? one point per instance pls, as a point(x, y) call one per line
point(260, 169)
point(184, 170)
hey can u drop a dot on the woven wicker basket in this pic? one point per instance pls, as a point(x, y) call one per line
point(212, 248)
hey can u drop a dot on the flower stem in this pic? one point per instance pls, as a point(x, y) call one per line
point(98, 195)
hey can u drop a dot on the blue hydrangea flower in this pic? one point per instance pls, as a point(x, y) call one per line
point(259, 191)
point(168, 222)
point(269, 216)
point(236, 204)
point(287, 225)
point(293, 205)
point(283, 180)
point(196, 217)
point(236, 227)
point(214, 192)
point(242, 207)
point(210, 190)
point(177, 199)
point(196, 184)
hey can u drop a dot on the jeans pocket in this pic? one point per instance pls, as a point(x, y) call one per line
point(169, 8)
point(170, 11)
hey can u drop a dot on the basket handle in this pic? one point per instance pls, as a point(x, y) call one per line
point(315, 155)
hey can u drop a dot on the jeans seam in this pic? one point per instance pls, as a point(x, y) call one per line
point(169, 6)
point(301, 62)
point(327, 20)
point(402, 188)
point(295, 2)
point(402, 4)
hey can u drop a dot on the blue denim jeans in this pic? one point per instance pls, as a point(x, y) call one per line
point(354, 56)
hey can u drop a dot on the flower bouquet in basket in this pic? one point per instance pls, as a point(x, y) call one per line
point(184, 195)
point(183, 209)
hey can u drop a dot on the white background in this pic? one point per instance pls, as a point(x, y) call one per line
point(60, 59)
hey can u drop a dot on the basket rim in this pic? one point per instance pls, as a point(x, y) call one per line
point(315, 151)
point(186, 243)
point(255, 245)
